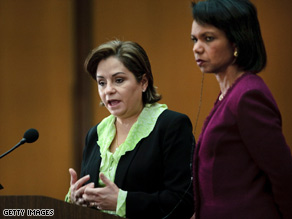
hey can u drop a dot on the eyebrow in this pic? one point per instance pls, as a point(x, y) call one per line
point(204, 33)
point(115, 74)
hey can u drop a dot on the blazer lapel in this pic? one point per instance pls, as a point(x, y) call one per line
point(124, 164)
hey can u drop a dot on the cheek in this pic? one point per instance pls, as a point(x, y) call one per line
point(133, 94)
point(221, 54)
point(100, 93)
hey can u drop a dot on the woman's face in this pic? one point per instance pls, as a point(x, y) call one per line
point(212, 50)
point(118, 88)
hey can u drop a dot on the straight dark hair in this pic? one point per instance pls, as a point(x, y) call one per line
point(238, 19)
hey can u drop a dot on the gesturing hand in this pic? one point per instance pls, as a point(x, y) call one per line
point(77, 188)
point(103, 198)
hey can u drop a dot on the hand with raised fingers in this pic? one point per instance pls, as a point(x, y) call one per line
point(77, 188)
point(104, 198)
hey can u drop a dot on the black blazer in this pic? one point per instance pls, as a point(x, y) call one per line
point(156, 173)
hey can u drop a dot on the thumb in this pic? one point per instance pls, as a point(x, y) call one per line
point(73, 176)
point(104, 179)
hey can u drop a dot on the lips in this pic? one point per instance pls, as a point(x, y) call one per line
point(200, 62)
point(113, 102)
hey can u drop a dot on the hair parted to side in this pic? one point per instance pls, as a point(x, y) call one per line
point(133, 57)
point(238, 19)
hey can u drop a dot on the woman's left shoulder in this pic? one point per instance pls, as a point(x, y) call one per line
point(248, 85)
point(173, 114)
point(251, 82)
point(170, 116)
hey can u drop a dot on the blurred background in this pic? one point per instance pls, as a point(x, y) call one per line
point(43, 45)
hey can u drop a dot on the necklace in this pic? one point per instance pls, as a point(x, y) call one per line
point(221, 97)
point(238, 75)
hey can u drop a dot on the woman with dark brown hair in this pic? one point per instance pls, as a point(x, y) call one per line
point(136, 162)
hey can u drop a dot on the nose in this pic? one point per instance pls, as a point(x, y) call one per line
point(198, 48)
point(110, 88)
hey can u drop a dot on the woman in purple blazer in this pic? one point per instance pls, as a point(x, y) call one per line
point(242, 163)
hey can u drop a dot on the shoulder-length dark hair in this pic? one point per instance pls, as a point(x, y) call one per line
point(133, 57)
point(238, 19)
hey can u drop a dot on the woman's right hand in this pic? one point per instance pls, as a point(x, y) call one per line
point(77, 188)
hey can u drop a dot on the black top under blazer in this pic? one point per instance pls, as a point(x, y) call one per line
point(156, 174)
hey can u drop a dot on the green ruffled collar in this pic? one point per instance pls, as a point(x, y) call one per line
point(106, 130)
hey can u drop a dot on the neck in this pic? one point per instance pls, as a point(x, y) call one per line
point(227, 79)
point(123, 125)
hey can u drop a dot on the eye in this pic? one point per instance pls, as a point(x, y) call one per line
point(194, 39)
point(119, 80)
point(101, 83)
point(209, 38)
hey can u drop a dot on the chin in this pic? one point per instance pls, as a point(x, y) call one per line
point(206, 71)
point(116, 113)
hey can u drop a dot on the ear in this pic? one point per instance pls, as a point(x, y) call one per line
point(144, 82)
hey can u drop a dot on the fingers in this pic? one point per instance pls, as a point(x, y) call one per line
point(87, 195)
point(77, 188)
point(91, 194)
point(77, 194)
point(95, 205)
point(74, 181)
point(93, 197)
point(89, 185)
point(105, 180)
point(73, 176)
point(88, 189)
point(80, 201)
point(111, 185)
point(102, 198)
point(81, 181)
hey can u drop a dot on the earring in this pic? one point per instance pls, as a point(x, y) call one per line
point(235, 53)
